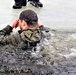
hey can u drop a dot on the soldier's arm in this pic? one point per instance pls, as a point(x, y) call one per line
point(6, 31)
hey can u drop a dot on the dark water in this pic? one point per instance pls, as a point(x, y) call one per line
point(54, 55)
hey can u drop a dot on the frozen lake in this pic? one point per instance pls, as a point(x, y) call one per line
point(56, 14)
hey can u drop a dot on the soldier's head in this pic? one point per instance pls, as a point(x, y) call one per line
point(30, 17)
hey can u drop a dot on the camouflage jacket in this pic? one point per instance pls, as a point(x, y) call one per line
point(26, 38)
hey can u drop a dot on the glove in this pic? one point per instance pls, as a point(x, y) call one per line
point(15, 23)
point(1, 32)
point(1, 36)
point(6, 31)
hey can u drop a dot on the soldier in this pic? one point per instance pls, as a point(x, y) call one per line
point(19, 3)
point(27, 36)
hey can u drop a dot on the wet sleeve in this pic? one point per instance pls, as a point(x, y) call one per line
point(14, 39)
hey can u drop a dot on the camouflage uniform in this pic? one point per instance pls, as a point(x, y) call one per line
point(27, 38)
point(23, 39)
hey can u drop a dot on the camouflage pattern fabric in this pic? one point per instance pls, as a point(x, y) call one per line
point(31, 35)
point(13, 38)
point(27, 38)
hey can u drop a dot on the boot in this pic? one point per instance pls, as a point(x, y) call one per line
point(24, 2)
point(18, 4)
point(29, 0)
point(6, 31)
point(36, 3)
point(39, 4)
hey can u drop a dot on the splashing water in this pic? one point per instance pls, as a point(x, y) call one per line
point(59, 46)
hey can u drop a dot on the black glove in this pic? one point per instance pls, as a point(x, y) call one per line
point(42, 28)
point(6, 31)
point(2, 32)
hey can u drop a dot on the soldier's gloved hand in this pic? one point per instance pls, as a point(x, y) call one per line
point(42, 28)
point(1, 36)
point(2, 32)
point(15, 23)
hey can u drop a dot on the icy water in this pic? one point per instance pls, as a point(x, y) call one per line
point(54, 55)
point(59, 52)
